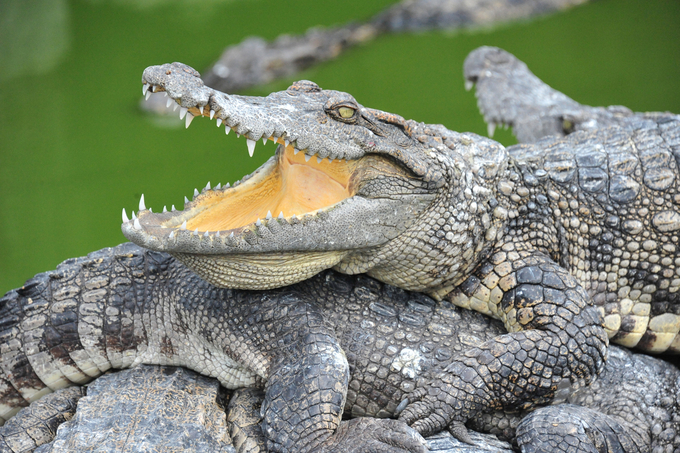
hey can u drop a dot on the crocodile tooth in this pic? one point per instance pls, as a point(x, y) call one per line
point(184, 225)
point(133, 215)
point(172, 235)
point(167, 104)
point(183, 111)
point(195, 192)
point(173, 208)
point(281, 217)
point(318, 159)
point(217, 234)
point(218, 186)
point(207, 186)
point(196, 232)
point(125, 217)
point(186, 200)
point(231, 235)
point(264, 140)
point(145, 88)
point(307, 157)
point(137, 225)
point(227, 185)
point(285, 142)
point(142, 206)
point(188, 120)
point(212, 113)
point(165, 209)
point(259, 222)
point(295, 151)
point(251, 146)
point(227, 129)
point(491, 128)
point(150, 210)
point(469, 84)
point(269, 215)
point(147, 95)
point(200, 109)
point(206, 234)
point(174, 109)
point(219, 121)
point(165, 93)
point(237, 135)
point(330, 161)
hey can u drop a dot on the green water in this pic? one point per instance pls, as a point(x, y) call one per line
point(75, 149)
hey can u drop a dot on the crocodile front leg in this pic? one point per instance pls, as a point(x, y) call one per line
point(555, 340)
point(306, 392)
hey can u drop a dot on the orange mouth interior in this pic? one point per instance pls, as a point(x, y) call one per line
point(292, 186)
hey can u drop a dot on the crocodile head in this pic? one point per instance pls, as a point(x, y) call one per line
point(509, 94)
point(348, 187)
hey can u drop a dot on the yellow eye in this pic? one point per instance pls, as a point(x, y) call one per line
point(346, 112)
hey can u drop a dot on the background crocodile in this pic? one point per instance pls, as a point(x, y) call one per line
point(534, 236)
point(125, 306)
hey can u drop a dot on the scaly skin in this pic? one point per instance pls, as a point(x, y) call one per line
point(127, 306)
point(547, 238)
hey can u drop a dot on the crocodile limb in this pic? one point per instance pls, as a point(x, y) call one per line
point(509, 94)
point(124, 306)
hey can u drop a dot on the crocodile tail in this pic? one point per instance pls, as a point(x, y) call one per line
point(61, 328)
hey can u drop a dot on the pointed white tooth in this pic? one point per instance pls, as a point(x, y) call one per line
point(238, 135)
point(251, 146)
point(491, 128)
point(293, 216)
point(227, 185)
point(469, 84)
point(295, 151)
point(174, 109)
point(133, 215)
point(231, 235)
point(147, 95)
point(227, 129)
point(285, 142)
point(217, 234)
point(165, 93)
point(186, 200)
point(200, 109)
point(318, 159)
point(172, 235)
point(219, 122)
point(168, 102)
point(330, 161)
point(264, 140)
point(184, 225)
point(145, 88)
point(269, 215)
point(183, 111)
point(196, 232)
point(195, 192)
point(137, 225)
point(206, 234)
point(173, 208)
point(150, 210)
point(212, 113)
point(259, 222)
point(188, 120)
point(125, 217)
point(307, 157)
point(281, 216)
point(165, 209)
point(207, 186)
point(218, 186)
point(142, 206)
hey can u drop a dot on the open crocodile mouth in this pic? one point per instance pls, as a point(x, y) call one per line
point(299, 213)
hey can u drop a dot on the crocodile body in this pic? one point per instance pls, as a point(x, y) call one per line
point(372, 345)
point(550, 238)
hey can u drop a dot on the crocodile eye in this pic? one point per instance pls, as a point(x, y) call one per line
point(567, 126)
point(346, 112)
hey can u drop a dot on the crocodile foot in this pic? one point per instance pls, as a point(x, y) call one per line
point(374, 435)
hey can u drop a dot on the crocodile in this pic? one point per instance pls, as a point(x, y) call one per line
point(509, 94)
point(332, 344)
point(568, 241)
